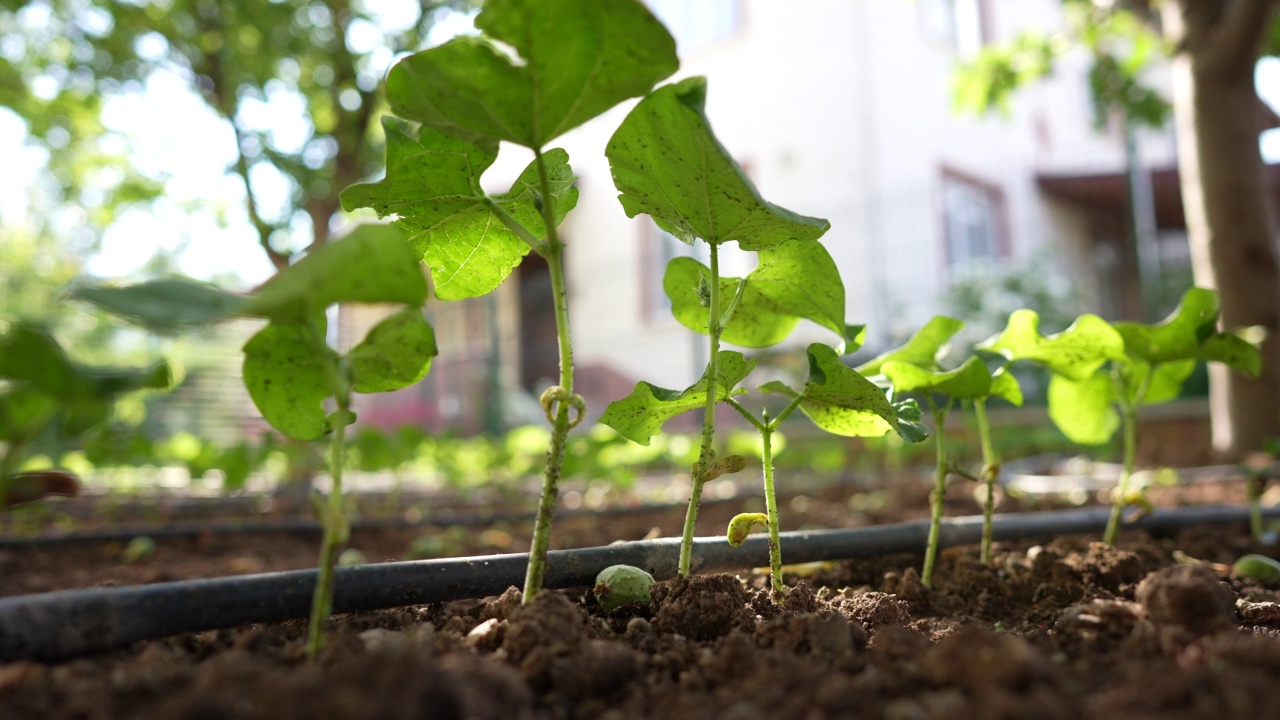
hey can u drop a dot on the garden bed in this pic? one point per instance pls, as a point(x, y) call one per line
point(1061, 627)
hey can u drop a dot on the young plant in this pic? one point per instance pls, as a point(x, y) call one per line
point(289, 368)
point(1103, 374)
point(576, 59)
point(836, 399)
point(41, 387)
point(915, 368)
point(667, 164)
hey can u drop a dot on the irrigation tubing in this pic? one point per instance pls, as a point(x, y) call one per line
point(70, 623)
point(304, 526)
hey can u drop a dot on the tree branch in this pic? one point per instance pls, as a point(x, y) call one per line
point(278, 259)
point(1237, 40)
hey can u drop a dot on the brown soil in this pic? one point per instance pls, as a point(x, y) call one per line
point(1064, 628)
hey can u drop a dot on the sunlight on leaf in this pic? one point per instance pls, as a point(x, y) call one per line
point(395, 353)
point(640, 415)
point(285, 373)
point(1076, 352)
point(923, 349)
point(370, 265)
point(668, 164)
point(577, 59)
point(433, 187)
point(793, 281)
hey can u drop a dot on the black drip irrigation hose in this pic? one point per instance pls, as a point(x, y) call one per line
point(70, 623)
point(305, 526)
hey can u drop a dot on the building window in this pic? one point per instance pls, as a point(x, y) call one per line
point(973, 221)
point(700, 24)
point(961, 25)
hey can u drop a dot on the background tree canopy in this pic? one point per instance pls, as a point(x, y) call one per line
point(1212, 48)
point(61, 60)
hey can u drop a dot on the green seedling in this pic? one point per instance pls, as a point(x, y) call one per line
point(836, 399)
point(289, 369)
point(1258, 567)
point(1259, 469)
point(619, 585)
point(668, 164)
point(916, 368)
point(42, 389)
point(1103, 374)
point(576, 59)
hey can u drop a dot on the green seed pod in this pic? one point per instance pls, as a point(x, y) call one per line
point(139, 548)
point(1258, 567)
point(741, 524)
point(351, 556)
point(619, 585)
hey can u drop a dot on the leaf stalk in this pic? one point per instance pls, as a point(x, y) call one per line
point(553, 252)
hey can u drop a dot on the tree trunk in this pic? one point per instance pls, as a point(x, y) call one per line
point(1227, 199)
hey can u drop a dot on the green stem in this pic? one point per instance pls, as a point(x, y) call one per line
point(336, 530)
point(553, 252)
point(939, 489)
point(514, 225)
point(990, 468)
point(771, 507)
point(1253, 485)
point(755, 422)
point(708, 418)
point(8, 463)
point(1129, 425)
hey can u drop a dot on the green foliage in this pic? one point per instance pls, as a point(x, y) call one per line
point(971, 381)
point(168, 305)
point(925, 348)
point(577, 58)
point(370, 265)
point(1122, 41)
point(1077, 352)
point(640, 415)
point(668, 164)
point(841, 401)
point(433, 186)
point(1148, 363)
point(792, 281)
point(42, 383)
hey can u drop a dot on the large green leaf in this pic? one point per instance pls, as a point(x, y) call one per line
point(923, 349)
point(971, 381)
point(31, 356)
point(1177, 337)
point(1190, 333)
point(287, 370)
point(1164, 384)
point(792, 281)
point(640, 415)
point(370, 265)
point(164, 306)
point(1076, 353)
point(1084, 410)
point(577, 58)
point(433, 186)
point(23, 411)
point(668, 164)
point(841, 401)
point(395, 353)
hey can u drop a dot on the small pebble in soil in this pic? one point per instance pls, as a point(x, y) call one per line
point(1189, 596)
